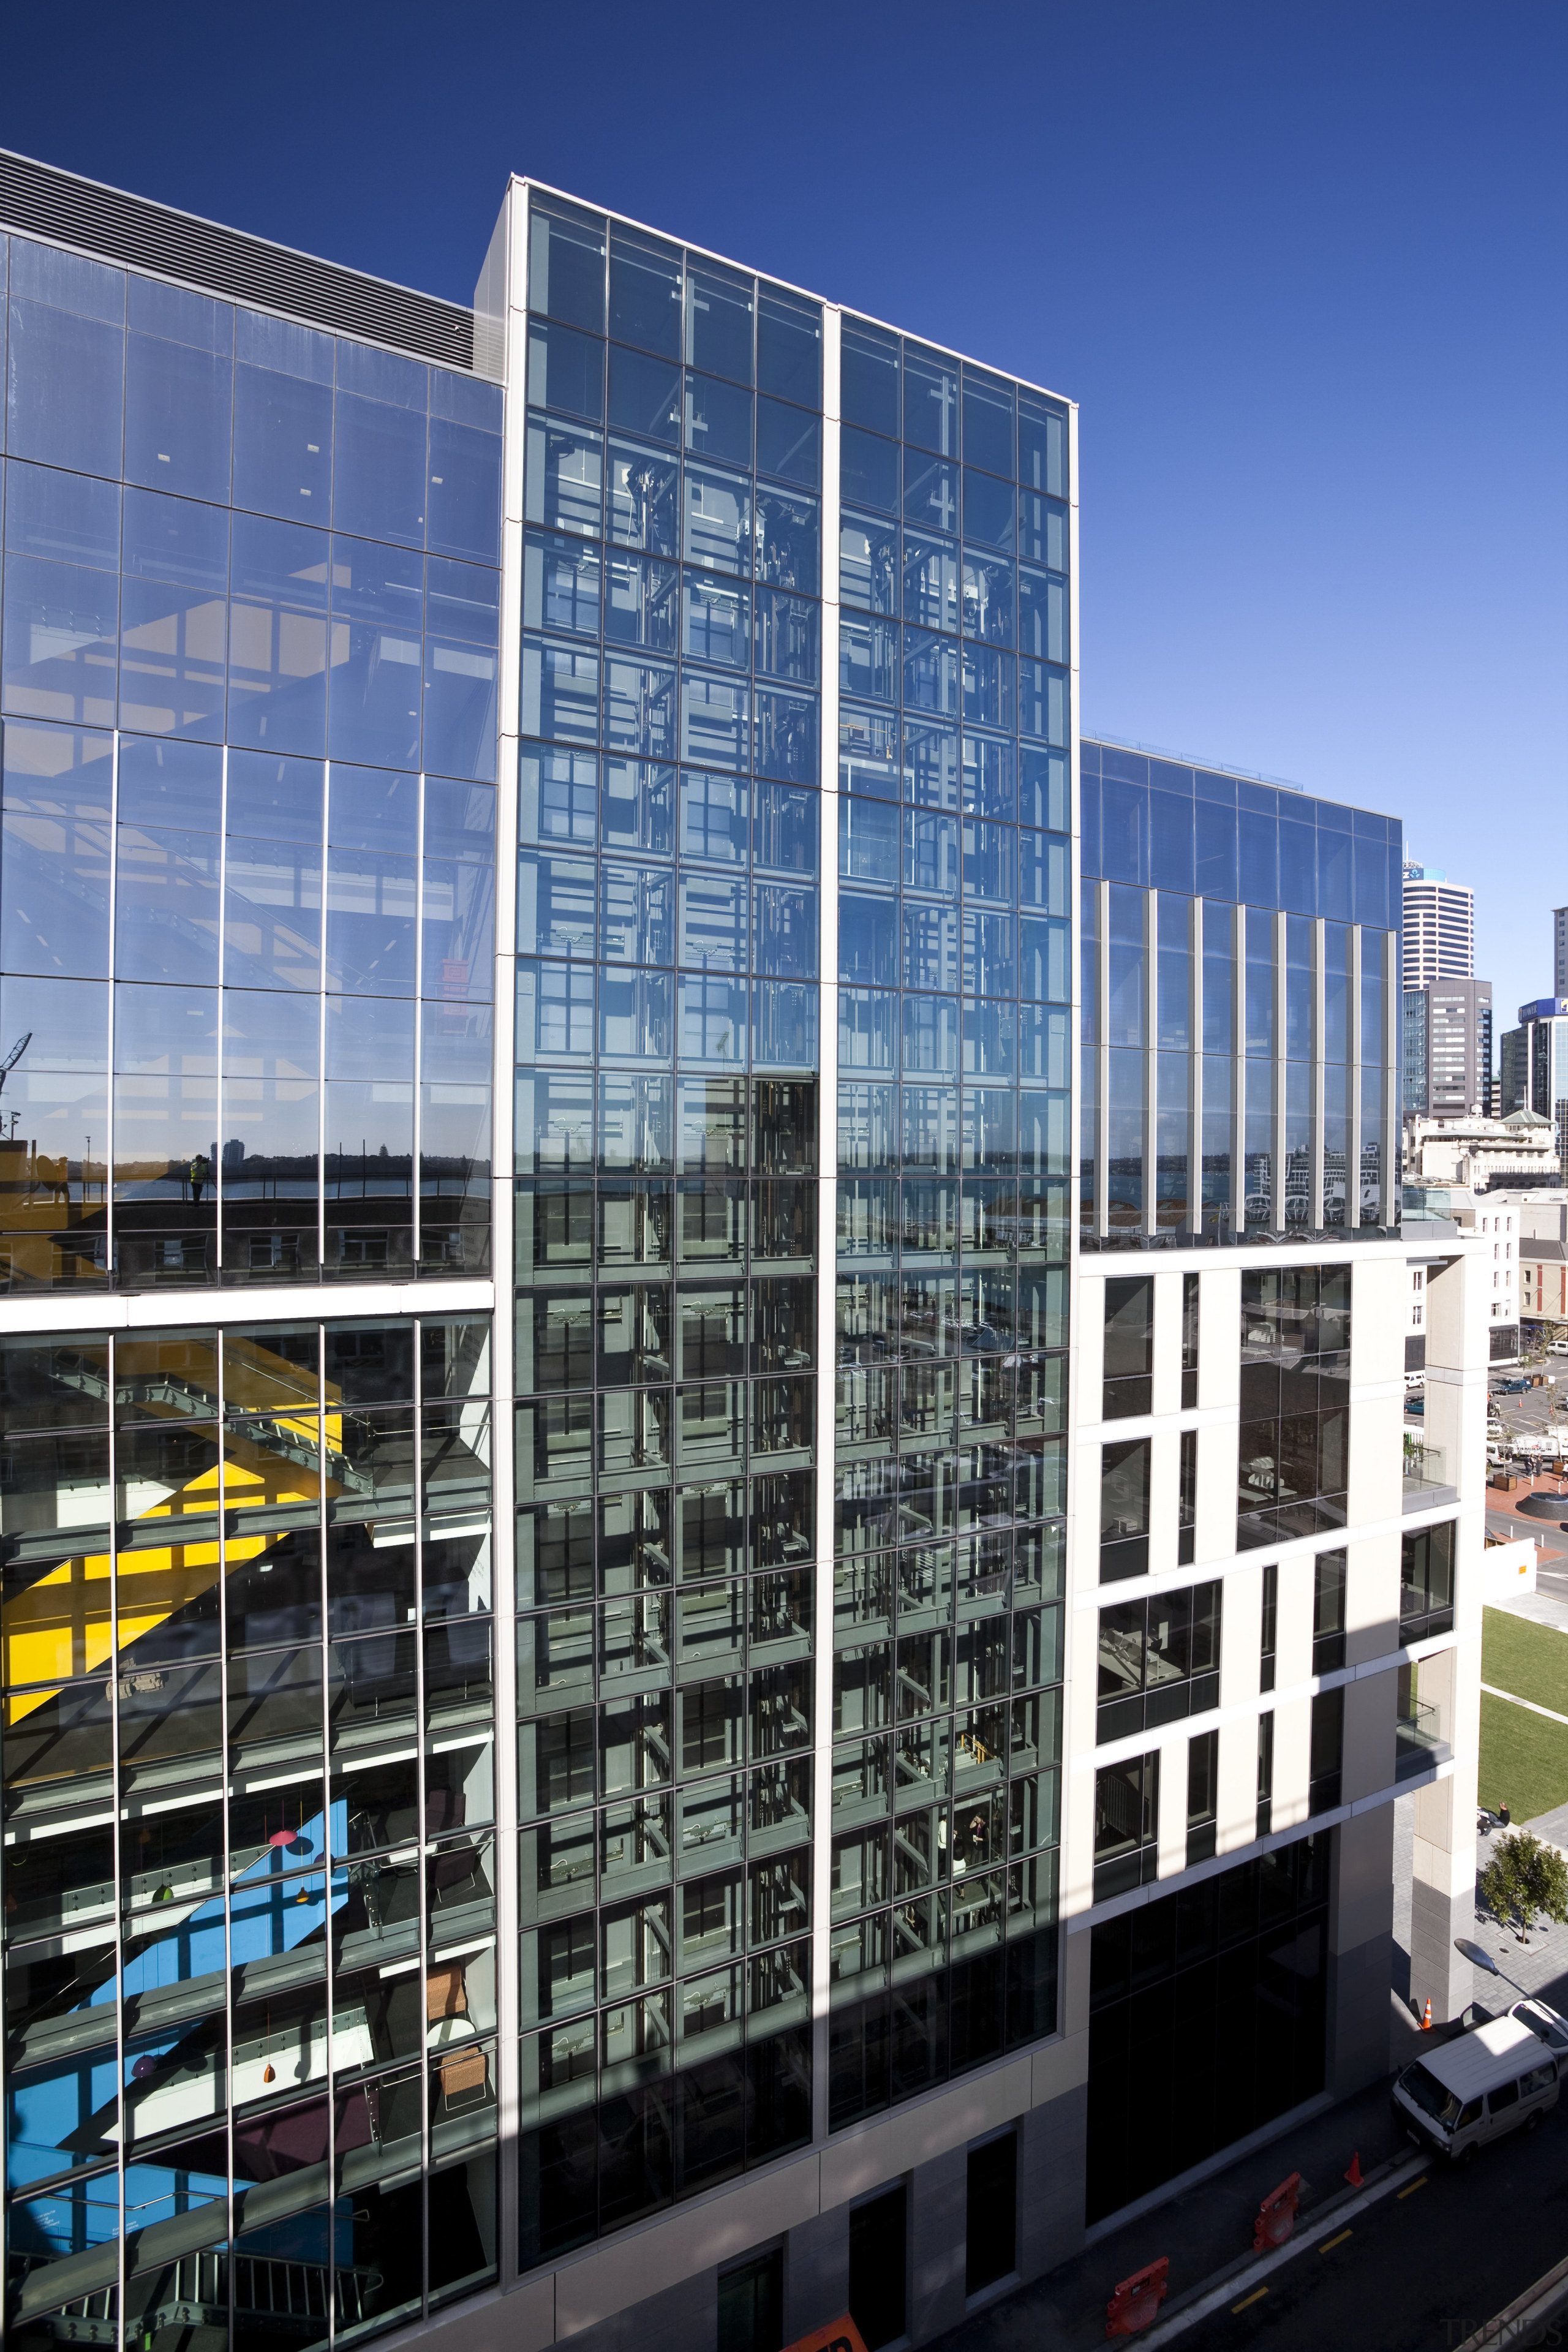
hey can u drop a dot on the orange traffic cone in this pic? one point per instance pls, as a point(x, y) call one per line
point(1426, 2019)
point(1353, 2175)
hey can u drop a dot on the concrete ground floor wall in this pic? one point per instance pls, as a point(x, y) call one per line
point(654, 2287)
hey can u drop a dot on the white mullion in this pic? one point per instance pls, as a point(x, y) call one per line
point(1282, 1073)
point(503, 1539)
point(1353, 1075)
point(108, 1236)
point(219, 1186)
point(415, 1187)
point(1195, 1064)
point(1150, 1056)
point(322, 1036)
point(1238, 1072)
point(826, 1226)
point(1318, 1207)
point(1102, 1060)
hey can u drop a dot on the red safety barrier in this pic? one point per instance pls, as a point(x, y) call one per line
point(838, 2336)
point(1138, 2299)
point(1276, 2215)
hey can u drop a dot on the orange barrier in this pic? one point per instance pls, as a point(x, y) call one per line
point(1276, 2215)
point(1137, 2300)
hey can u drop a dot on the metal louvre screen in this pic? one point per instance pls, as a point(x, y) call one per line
point(42, 202)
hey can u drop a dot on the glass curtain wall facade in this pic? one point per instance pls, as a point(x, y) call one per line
point(954, 984)
point(1240, 1008)
point(249, 1803)
point(251, 614)
point(778, 823)
point(666, 1214)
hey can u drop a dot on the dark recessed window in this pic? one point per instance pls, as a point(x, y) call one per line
point(991, 2227)
point(1126, 1825)
point(1129, 1347)
point(1124, 1510)
point(878, 2256)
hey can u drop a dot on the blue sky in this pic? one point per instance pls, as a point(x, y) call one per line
point(1303, 266)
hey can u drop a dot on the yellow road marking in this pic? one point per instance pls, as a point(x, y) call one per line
point(1255, 2296)
point(1329, 2243)
point(1416, 2185)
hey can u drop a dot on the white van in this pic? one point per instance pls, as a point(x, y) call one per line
point(1558, 1347)
point(1472, 2090)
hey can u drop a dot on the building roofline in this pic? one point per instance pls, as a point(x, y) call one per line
point(39, 200)
point(1224, 768)
point(811, 293)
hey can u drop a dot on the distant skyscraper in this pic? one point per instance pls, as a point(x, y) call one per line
point(1439, 927)
point(1447, 1048)
point(1560, 951)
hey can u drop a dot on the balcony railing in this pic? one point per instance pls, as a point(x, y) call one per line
point(1418, 1741)
point(1427, 1479)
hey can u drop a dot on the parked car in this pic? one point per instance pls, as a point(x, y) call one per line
point(1476, 2088)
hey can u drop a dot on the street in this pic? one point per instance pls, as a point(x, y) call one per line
point(1422, 2269)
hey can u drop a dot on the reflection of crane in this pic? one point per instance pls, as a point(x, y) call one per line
point(14, 1056)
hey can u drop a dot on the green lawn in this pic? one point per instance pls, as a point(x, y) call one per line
point(1524, 1760)
point(1529, 1659)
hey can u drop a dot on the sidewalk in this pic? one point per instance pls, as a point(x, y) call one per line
point(1204, 2231)
point(1540, 1966)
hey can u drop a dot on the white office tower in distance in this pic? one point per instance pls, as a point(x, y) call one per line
point(1439, 929)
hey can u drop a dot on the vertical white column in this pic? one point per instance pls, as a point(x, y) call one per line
point(1352, 1072)
point(1102, 1059)
point(1196, 1066)
point(1075, 906)
point(1316, 1201)
point(512, 240)
point(1277, 1189)
point(1393, 1128)
point(1238, 1070)
point(1150, 1049)
point(826, 1226)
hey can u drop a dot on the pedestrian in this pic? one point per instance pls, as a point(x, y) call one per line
point(200, 1170)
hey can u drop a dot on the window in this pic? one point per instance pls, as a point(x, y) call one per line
point(1124, 1510)
point(1126, 1825)
point(1270, 1628)
point(1295, 1417)
point(1187, 1500)
point(1203, 1796)
point(877, 2264)
point(751, 2304)
point(1207, 2018)
point(1265, 1772)
point(1328, 1613)
point(1129, 1347)
point(1426, 1583)
point(991, 2226)
point(1159, 1660)
point(1327, 1750)
point(1189, 1342)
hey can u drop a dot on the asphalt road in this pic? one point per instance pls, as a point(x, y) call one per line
point(1419, 2272)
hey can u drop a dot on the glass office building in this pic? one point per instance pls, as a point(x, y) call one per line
point(251, 617)
point(560, 961)
point(1239, 1006)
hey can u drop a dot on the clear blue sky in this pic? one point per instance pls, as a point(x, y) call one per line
point(1303, 266)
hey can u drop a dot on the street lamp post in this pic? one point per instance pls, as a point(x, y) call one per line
point(1480, 1958)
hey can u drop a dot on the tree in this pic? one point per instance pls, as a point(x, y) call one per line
point(1525, 1879)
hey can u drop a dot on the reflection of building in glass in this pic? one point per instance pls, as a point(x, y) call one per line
point(442, 1873)
point(250, 609)
point(1240, 975)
